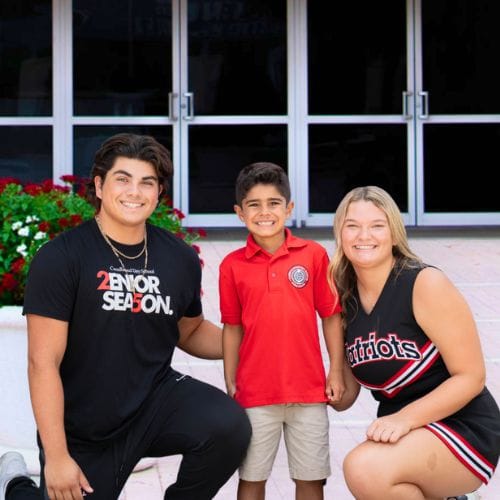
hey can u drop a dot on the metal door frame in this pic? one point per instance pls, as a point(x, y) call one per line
point(423, 117)
point(302, 206)
point(181, 126)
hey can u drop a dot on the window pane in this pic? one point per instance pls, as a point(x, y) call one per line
point(342, 157)
point(122, 57)
point(26, 153)
point(237, 57)
point(461, 168)
point(26, 58)
point(461, 42)
point(218, 153)
point(357, 57)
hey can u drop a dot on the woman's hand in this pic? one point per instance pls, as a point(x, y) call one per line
point(388, 429)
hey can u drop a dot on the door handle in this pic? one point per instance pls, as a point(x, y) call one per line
point(406, 97)
point(171, 114)
point(188, 106)
point(424, 105)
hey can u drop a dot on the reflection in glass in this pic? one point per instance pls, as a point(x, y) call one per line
point(122, 67)
point(342, 157)
point(356, 65)
point(26, 153)
point(461, 43)
point(88, 139)
point(460, 163)
point(237, 57)
point(26, 58)
point(218, 153)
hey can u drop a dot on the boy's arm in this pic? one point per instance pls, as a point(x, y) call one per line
point(334, 340)
point(231, 341)
point(352, 388)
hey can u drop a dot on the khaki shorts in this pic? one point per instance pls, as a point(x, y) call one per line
point(306, 431)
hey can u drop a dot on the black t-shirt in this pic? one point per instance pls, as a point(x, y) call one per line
point(121, 337)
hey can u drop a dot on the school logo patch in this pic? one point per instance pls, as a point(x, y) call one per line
point(298, 276)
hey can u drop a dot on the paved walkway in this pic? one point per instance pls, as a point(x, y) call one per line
point(471, 259)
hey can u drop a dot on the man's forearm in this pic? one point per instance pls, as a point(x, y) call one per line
point(47, 399)
point(205, 341)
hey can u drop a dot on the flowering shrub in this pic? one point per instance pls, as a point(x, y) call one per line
point(33, 214)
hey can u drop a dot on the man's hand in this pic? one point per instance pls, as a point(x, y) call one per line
point(65, 480)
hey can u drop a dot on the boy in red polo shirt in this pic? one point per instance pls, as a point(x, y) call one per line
point(271, 291)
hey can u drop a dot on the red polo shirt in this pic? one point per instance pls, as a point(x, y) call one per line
point(275, 297)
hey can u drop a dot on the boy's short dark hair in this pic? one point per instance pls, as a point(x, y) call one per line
point(134, 146)
point(261, 173)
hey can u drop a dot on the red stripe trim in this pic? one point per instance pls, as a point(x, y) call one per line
point(451, 446)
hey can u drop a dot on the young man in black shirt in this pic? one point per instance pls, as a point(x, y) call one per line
point(106, 304)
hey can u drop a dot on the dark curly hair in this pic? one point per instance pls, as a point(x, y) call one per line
point(138, 147)
point(261, 173)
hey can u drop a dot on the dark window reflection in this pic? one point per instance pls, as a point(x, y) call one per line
point(356, 65)
point(88, 139)
point(26, 153)
point(342, 157)
point(237, 57)
point(461, 43)
point(461, 162)
point(218, 153)
point(122, 57)
point(26, 58)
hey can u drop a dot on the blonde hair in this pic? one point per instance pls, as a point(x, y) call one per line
point(341, 274)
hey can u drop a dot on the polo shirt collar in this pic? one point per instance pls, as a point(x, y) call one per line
point(291, 241)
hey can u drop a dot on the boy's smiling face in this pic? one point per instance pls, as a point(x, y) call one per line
point(264, 211)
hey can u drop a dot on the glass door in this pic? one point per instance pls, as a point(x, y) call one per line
point(233, 99)
point(357, 119)
point(119, 76)
point(206, 78)
point(458, 112)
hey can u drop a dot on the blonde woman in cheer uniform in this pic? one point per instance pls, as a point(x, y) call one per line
point(411, 340)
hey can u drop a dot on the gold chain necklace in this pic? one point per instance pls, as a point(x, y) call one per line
point(118, 253)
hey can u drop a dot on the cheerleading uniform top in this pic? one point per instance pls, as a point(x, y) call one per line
point(392, 357)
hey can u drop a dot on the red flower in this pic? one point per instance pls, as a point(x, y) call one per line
point(178, 213)
point(32, 189)
point(44, 226)
point(197, 248)
point(17, 265)
point(71, 179)
point(166, 200)
point(202, 233)
point(76, 219)
point(8, 281)
point(4, 181)
point(47, 185)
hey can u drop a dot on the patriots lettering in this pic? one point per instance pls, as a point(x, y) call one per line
point(383, 348)
point(135, 293)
